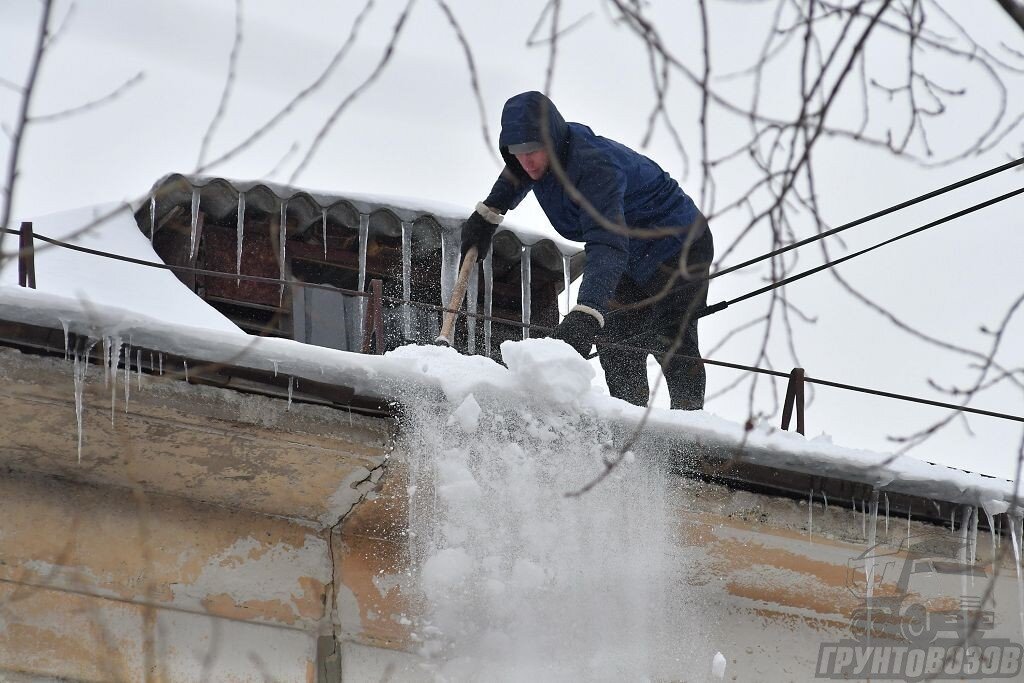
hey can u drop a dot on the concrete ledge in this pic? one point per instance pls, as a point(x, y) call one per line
point(214, 445)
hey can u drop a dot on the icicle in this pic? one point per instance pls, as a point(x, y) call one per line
point(887, 515)
point(80, 369)
point(991, 535)
point(152, 216)
point(472, 299)
point(106, 361)
point(1015, 537)
point(195, 224)
point(525, 276)
point(449, 266)
point(864, 518)
point(364, 238)
point(952, 521)
point(127, 375)
point(810, 516)
point(972, 541)
point(186, 368)
point(64, 325)
point(566, 280)
point(323, 228)
point(872, 535)
point(239, 236)
point(282, 238)
point(291, 387)
point(825, 498)
point(161, 357)
point(963, 549)
point(274, 362)
point(965, 527)
point(908, 523)
point(488, 299)
point(138, 367)
point(406, 280)
point(115, 358)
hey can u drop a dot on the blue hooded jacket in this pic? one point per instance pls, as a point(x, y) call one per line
point(623, 186)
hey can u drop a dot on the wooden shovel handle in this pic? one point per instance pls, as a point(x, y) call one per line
point(458, 294)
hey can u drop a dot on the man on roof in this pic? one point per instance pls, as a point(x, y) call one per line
point(648, 247)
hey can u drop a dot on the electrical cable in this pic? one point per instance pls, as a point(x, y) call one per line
point(707, 311)
point(722, 305)
point(870, 217)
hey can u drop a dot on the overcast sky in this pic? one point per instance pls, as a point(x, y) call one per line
point(417, 133)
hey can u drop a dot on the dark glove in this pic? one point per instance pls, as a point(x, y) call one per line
point(578, 330)
point(477, 232)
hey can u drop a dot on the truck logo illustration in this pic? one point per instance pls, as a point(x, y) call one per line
point(882, 578)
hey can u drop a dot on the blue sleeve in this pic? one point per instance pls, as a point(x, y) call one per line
point(509, 189)
point(607, 251)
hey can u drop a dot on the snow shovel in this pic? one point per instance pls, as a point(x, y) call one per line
point(447, 336)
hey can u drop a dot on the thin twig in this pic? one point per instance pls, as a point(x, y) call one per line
point(228, 85)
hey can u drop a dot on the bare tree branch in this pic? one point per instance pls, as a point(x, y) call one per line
point(22, 120)
point(92, 104)
point(228, 85)
point(389, 51)
point(317, 83)
point(474, 79)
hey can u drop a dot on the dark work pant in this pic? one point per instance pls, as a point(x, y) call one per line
point(639, 318)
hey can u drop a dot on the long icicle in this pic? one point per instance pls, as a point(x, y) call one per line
point(810, 516)
point(1013, 524)
point(566, 279)
point(364, 238)
point(282, 236)
point(195, 224)
point(127, 374)
point(872, 539)
point(527, 288)
point(239, 236)
point(323, 227)
point(488, 299)
point(115, 358)
point(80, 369)
point(472, 300)
point(406, 280)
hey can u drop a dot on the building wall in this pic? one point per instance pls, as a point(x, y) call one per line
point(192, 542)
point(211, 535)
point(768, 582)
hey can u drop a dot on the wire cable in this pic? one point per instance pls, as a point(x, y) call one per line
point(870, 217)
point(722, 305)
point(707, 311)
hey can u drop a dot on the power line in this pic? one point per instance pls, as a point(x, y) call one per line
point(836, 385)
point(266, 280)
point(878, 214)
point(516, 323)
point(722, 305)
point(707, 311)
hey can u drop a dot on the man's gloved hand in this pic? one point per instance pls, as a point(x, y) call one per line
point(478, 230)
point(579, 328)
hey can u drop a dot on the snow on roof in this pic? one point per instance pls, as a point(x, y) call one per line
point(96, 284)
point(449, 216)
point(102, 298)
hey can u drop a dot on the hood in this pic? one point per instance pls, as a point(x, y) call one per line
point(524, 118)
